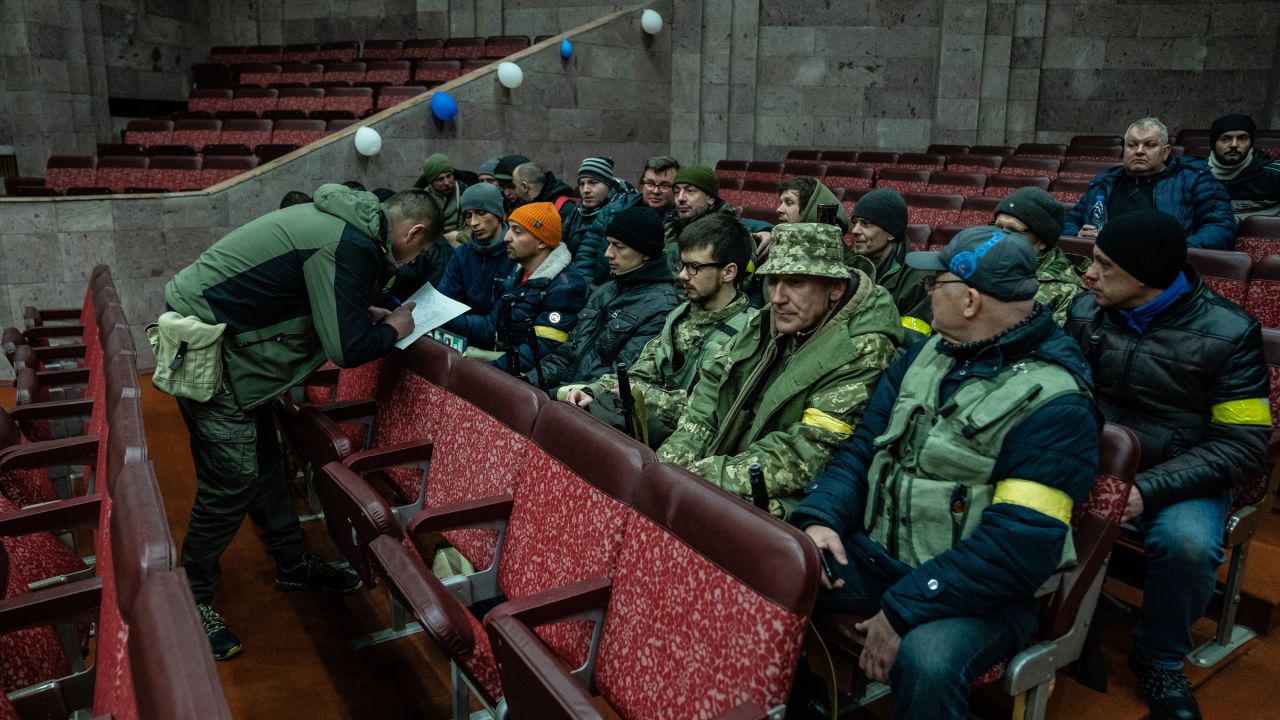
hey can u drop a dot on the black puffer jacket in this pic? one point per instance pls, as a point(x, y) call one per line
point(623, 315)
point(1194, 387)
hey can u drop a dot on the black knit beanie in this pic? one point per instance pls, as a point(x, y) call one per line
point(1040, 211)
point(1148, 244)
point(1232, 123)
point(884, 207)
point(639, 228)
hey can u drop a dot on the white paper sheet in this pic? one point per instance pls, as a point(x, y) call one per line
point(432, 310)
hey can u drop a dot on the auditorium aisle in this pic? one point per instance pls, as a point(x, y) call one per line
point(296, 662)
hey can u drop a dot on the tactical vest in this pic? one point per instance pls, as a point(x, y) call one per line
point(930, 478)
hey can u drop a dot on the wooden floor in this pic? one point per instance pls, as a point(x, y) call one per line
point(296, 662)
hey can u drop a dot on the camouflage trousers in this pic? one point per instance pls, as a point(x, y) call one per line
point(239, 471)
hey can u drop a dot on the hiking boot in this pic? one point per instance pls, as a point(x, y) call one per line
point(312, 573)
point(1167, 691)
point(222, 641)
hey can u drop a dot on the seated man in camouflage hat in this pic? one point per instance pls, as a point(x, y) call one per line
point(792, 386)
point(951, 504)
point(446, 190)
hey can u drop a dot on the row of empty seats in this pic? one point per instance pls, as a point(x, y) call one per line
point(85, 548)
point(761, 188)
point(461, 48)
point(373, 73)
point(558, 511)
point(98, 176)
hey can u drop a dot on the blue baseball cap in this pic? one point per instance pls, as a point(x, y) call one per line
point(988, 259)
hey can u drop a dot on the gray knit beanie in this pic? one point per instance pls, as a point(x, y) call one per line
point(1040, 211)
point(884, 207)
point(600, 168)
point(483, 196)
point(487, 167)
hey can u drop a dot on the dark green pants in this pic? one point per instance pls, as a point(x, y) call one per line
point(239, 472)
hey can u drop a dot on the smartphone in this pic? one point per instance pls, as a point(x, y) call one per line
point(827, 560)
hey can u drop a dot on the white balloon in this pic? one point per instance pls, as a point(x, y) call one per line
point(510, 75)
point(651, 21)
point(368, 141)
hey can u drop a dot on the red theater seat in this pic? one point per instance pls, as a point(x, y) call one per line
point(344, 51)
point(149, 132)
point(732, 169)
point(763, 170)
point(255, 100)
point(978, 210)
point(303, 100)
point(391, 72)
point(985, 164)
point(440, 71)
point(357, 101)
point(1068, 189)
point(921, 161)
point(876, 160)
point(220, 168)
point(1004, 185)
point(954, 183)
point(464, 48)
point(259, 74)
point(262, 54)
point(1259, 236)
point(903, 181)
point(500, 46)
point(1041, 150)
point(64, 171)
point(806, 155)
point(348, 72)
point(300, 53)
point(1226, 272)
point(1085, 169)
point(297, 132)
point(1001, 150)
point(423, 49)
point(305, 73)
point(396, 94)
point(1264, 291)
point(948, 149)
point(933, 210)
point(210, 99)
point(681, 556)
point(196, 133)
point(806, 168)
point(1042, 167)
point(381, 50)
point(250, 133)
point(175, 173)
point(119, 173)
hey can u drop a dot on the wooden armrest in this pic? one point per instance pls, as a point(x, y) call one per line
point(42, 332)
point(425, 596)
point(48, 453)
point(347, 410)
point(51, 516)
point(406, 453)
point(555, 604)
point(461, 515)
point(320, 378)
point(533, 675)
point(52, 409)
point(745, 711)
point(66, 313)
point(74, 601)
point(54, 378)
point(58, 352)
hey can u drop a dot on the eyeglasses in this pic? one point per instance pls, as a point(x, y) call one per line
point(692, 267)
point(930, 282)
point(651, 185)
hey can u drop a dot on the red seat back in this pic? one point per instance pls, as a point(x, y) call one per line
point(1264, 291)
point(1226, 272)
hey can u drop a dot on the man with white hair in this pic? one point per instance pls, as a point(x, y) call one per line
point(1150, 179)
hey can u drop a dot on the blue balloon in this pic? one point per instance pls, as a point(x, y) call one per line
point(566, 49)
point(443, 106)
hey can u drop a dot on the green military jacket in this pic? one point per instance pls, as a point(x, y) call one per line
point(667, 368)
point(294, 287)
point(904, 284)
point(1059, 276)
point(816, 397)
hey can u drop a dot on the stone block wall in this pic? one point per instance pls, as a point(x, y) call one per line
point(1106, 64)
point(610, 98)
point(62, 59)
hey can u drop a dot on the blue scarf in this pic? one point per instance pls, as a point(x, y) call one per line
point(1140, 318)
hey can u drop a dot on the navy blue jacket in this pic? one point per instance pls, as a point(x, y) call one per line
point(1186, 190)
point(543, 311)
point(474, 275)
point(1015, 549)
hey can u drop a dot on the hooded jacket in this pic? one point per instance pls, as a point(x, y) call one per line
point(552, 190)
point(1059, 274)
point(1015, 548)
point(1194, 387)
point(475, 276)
point(1185, 189)
point(622, 315)
point(798, 400)
point(294, 287)
point(543, 310)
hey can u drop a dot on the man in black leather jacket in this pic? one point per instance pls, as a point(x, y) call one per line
point(1184, 368)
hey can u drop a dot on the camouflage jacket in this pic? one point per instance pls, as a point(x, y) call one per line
point(1059, 276)
point(811, 404)
point(667, 368)
point(903, 284)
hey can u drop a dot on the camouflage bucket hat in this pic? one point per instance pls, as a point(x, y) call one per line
point(806, 249)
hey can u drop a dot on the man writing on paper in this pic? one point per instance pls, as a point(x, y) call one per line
point(294, 288)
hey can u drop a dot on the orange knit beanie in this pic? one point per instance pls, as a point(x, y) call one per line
point(541, 219)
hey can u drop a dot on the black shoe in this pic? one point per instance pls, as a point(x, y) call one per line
point(314, 574)
point(1167, 692)
point(223, 642)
